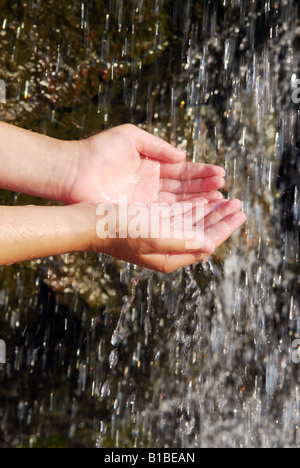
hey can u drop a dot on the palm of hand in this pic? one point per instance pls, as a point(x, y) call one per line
point(133, 178)
point(128, 162)
point(115, 163)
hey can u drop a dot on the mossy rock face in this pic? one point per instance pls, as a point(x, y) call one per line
point(65, 68)
point(55, 57)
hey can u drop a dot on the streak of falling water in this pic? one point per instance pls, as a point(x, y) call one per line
point(230, 378)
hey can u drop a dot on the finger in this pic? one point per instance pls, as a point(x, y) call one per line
point(212, 196)
point(222, 210)
point(220, 232)
point(170, 198)
point(198, 212)
point(189, 211)
point(188, 215)
point(192, 186)
point(153, 147)
point(169, 263)
point(188, 171)
point(210, 209)
point(182, 243)
point(181, 215)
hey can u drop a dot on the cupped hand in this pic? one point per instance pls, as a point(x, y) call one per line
point(127, 161)
point(178, 244)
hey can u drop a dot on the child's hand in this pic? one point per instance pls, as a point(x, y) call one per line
point(212, 225)
point(131, 162)
point(124, 163)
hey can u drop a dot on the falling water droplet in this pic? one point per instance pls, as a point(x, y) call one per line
point(105, 390)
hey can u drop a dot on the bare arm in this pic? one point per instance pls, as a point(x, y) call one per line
point(32, 232)
point(122, 161)
point(35, 164)
point(125, 161)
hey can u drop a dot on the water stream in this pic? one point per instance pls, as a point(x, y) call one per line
point(103, 353)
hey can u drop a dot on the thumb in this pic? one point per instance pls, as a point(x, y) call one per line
point(153, 147)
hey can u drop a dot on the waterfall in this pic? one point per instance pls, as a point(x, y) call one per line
point(104, 353)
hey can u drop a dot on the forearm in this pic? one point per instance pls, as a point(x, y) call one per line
point(35, 164)
point(30, 232)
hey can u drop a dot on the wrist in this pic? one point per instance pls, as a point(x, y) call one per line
point(77, 184)
point(78, 228)
point(63, 162)
point(36, 164)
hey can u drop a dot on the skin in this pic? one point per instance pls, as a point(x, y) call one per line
point(140, 165)
point(124, 161)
